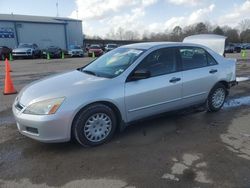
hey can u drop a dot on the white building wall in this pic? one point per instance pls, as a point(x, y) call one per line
point(42, 34)
point(74, 32)
point(5, 41)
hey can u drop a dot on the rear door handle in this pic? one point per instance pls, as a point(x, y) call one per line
point(213, 71)
point(174, 79)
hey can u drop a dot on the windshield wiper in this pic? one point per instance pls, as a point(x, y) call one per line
point(90, 72)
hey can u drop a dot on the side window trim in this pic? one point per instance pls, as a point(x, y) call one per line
point(177, 61)
point(191, 47)
point(209, 55)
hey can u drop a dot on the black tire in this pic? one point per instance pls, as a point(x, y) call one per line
point(80, 125)
point(210, 104)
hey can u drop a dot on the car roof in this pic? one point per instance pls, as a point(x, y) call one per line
point(148, 45)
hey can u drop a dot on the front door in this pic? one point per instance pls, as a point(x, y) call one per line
point(161, 92)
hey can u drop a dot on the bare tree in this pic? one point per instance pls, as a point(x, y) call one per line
point(232, 35)
point(218, 30)
point(244, 24)
point(245, 36)
point(120, 33)
point(201, 28)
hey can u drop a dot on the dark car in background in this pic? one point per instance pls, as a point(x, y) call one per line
point(231, 48)
point(237, 48)
point(30, 50)
point(246, 46)
point(53, 51)
point(5, 52)
point(96, 49)
point(110, 47)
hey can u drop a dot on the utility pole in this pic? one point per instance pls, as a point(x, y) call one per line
point(57, 14)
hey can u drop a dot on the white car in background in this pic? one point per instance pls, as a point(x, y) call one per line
point(124, 85)
point(75, 51)
point(30, 50)
point(110, 47)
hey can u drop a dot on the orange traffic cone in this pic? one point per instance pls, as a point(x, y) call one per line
point(8, 84)
point(8, 65)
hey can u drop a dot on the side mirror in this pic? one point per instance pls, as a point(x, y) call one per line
point(139, 75)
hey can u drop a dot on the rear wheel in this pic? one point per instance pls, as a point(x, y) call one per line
point(94, 125)
point(216, 98)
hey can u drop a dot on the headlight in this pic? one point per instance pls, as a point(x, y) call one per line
point(29, 50)
point(46, 107)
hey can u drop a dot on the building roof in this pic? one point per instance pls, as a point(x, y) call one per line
point(41, 19)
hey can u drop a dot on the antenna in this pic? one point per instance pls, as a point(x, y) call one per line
point(77, 13)
point(57, 14)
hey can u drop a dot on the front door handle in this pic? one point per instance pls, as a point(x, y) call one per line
point(213, 71)
point(174, 79)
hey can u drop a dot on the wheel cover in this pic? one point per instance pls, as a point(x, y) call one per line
point(218, 98)
point(97, 127)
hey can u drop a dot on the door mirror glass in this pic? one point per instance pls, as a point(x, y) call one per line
point(140, 74)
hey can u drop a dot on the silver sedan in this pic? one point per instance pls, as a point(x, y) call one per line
point(124, 85)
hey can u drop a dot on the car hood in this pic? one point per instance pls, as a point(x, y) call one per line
point(67, 85)
point(95, 50)
point(21, 49)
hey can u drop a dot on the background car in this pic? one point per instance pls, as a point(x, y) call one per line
point(229, 48)
point(30, 50)
point(5, 52)
point(54, 52)
point(237, 48)
point(110, 47)
point(246, 46)
point(96, 49)
point(75, 51)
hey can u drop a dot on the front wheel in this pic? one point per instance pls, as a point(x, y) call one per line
point(216, 98)
point(94, 125)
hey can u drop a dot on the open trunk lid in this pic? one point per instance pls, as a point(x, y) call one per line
point(214, 42)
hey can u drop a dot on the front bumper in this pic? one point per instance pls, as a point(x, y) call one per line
point(96, 53)
point(44, 128)
point(22, 54)
point(79, 54)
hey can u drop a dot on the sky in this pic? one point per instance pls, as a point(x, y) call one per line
point(102, 17)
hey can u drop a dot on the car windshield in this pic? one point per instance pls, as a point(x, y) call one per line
point(25, 46)
point(95, 47)
point(112, 46)
point(113, 63)
point(75, 47)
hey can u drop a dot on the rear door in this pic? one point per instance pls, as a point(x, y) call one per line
point(161, 91)
point(200, 73)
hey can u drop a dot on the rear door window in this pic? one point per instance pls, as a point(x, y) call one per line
point(195, 57)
